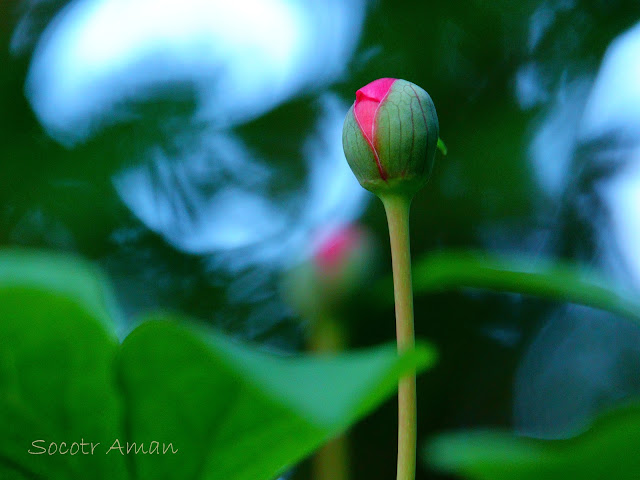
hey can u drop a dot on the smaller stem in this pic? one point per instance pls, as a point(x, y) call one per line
point(397, 209)
point(331, 461)
point(327, 334)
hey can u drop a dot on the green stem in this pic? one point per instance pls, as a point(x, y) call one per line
point(397, 208)
point(327, 334)
point(331, 462)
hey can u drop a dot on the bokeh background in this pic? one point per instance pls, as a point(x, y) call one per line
point(193, 150)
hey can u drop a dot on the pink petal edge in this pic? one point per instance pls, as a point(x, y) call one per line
point(368, 101)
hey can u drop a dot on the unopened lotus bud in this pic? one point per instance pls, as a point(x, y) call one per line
point(339, 265)
point(341, 258)
point(390, 136)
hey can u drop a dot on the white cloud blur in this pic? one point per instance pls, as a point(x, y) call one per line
point(243, 58)
point(208, 196)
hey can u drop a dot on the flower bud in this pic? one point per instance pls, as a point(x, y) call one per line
point(339, 265)
point(390, 136)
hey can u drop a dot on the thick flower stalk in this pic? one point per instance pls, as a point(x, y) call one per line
point(390, 137)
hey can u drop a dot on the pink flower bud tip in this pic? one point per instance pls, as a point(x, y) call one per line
point(336, 249)
point(368, 101)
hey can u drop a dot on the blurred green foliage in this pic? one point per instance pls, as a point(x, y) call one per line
point(608, 450)
point(554, 280)
point(230, 410)
point(484, 194)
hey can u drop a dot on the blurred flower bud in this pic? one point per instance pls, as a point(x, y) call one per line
point(390, 136)
point(339, 265)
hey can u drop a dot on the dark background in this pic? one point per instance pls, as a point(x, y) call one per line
point(511, 82)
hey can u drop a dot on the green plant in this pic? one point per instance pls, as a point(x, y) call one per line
point(607, 449)
point(65, 377)
point(390, 137)
point(195, 403)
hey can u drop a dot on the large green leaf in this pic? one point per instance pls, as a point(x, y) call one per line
point(68, 276)
point(237, 413)
point(230, 410)
point(556, 280)
point(56, 367)
point(608, 450)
